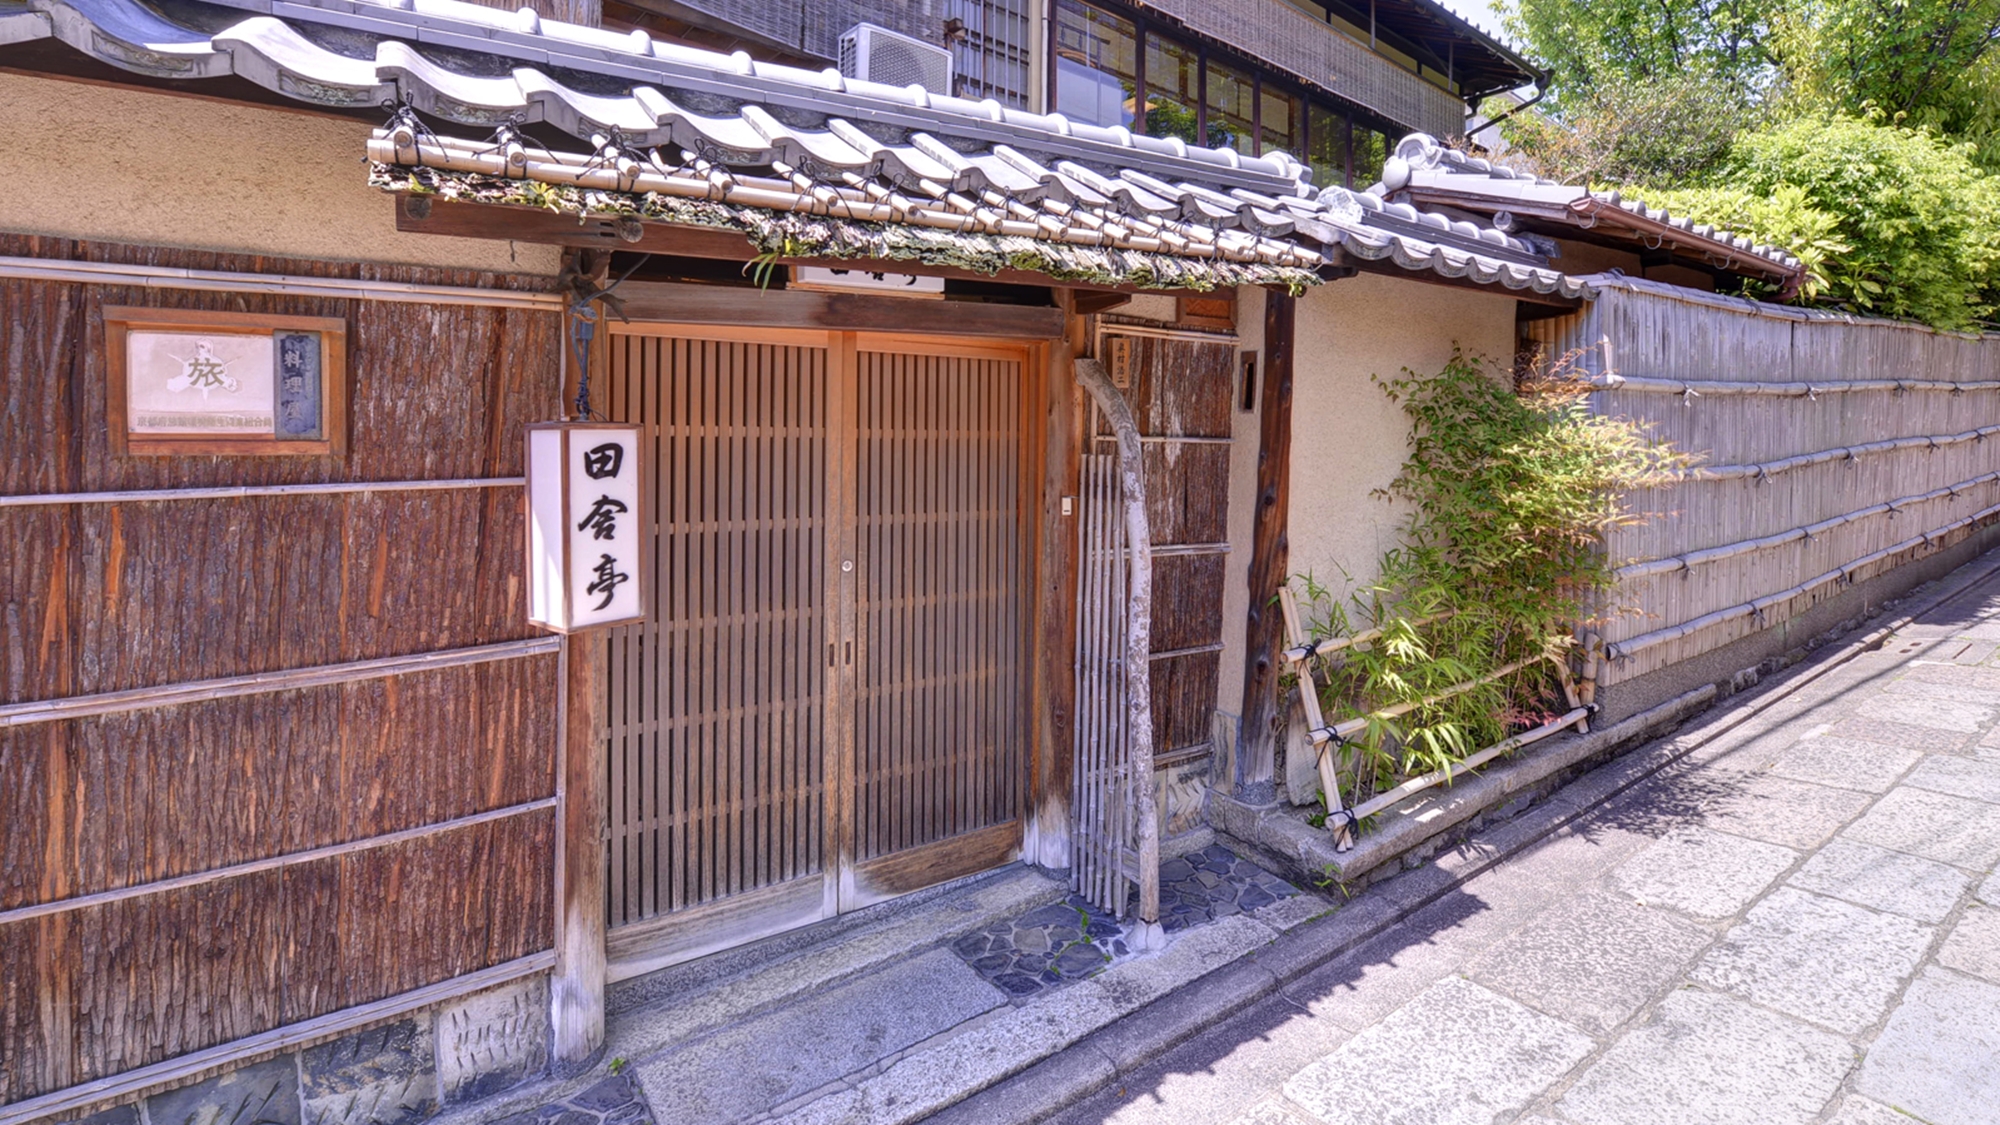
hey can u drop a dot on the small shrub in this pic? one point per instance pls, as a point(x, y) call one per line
point(1511, 491)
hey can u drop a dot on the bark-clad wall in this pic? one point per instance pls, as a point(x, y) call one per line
point(112, 596)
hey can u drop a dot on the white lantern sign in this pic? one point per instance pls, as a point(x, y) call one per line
point(588, 544)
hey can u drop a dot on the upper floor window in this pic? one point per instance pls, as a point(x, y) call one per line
point(1096, 65)
point(1172, 88)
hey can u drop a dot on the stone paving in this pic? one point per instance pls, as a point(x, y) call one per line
point(1073, 940)
point(1797, 923)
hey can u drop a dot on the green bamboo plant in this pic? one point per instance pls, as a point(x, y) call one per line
point(1511, 483)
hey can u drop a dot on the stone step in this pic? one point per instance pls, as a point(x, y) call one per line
point(658, 1012)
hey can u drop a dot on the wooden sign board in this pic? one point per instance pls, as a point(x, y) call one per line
point(189, 382)
point(588, 544)
point(866, 281)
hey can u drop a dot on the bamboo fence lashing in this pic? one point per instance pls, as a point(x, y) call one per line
point(1327, 738)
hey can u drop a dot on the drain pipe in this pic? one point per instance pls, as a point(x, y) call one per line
point(1541, 91)
point(1138, 645)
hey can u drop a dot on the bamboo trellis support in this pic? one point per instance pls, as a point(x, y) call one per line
point(1326, 752)
point(1327, 738)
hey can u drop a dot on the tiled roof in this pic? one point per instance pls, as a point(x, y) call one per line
point(1433, 174)
point(688, 124)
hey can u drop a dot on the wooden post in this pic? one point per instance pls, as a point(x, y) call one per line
point(1061, 435)
point(1138, 643)
point(576, 990)
point(1256, 760)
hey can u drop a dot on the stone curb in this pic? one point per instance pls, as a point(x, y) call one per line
point(1062, 1079)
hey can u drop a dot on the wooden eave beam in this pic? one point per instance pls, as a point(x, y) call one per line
point(687, 303)
point(1614, 227)
point(516, 223)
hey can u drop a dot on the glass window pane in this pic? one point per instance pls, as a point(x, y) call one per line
point(1231, 100)
point(1328, 153)
point(1097, 56)
point(1173, 83)
point(1370, 149)
point(1282, 116)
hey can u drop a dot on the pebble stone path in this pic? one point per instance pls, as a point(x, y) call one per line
point(1796, 924)
point(1069, 941)
point(614, 1101)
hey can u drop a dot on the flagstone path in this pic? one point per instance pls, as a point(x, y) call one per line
point(1797, 923)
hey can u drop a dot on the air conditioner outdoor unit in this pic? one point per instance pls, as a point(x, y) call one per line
point(876, 54)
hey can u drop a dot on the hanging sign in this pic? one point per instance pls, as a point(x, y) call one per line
point(588, 545)
point(868, 281)
point(193, 382)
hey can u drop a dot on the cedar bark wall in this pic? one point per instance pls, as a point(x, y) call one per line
point(105, 597)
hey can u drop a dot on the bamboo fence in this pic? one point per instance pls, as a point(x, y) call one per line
point(1833, 449)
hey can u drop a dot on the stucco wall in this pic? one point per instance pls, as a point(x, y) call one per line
point(1348, 439)
point(159, 169)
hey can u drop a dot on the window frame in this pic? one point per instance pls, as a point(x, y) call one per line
point(1144, 28)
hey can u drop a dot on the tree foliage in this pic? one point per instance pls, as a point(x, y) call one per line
point(1894, 222)
point(1853, 133)
point(1674, 129)
point(1592, 44)
point(1909, 59)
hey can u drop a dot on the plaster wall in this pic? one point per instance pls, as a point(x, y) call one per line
point(164, 169)
point(1348, 439)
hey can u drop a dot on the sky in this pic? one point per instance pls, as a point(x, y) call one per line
point(1478, 13)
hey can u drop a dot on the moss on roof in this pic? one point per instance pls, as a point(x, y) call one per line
point(797, 235)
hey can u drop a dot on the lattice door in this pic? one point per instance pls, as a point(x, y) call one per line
point(826, 706)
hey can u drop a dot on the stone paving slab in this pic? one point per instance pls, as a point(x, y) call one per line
point(1870, 767)
point(1710, 1059)
point(1702, 872)
point(1857, 1110)
point(744, 1071)
point(1435, 1062)
point(1941, 714)
point(1974, 944)
point(1830, 962)
point(1939, 1056)
point(1595, 962)
point(1780, 810)
point(1954, 830)
point(1927, 740)
point(1864, 874)
point(1961, 777)
point(1953, 691)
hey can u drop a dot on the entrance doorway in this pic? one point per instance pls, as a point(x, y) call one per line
point(826, 707)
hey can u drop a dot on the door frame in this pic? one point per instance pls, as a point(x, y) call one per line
point(845, 885)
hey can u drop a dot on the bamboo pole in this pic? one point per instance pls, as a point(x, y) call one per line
point(1353, 726)
point(242, 491)
point(1138, 641)
point(167, 277)
point(1439, 776)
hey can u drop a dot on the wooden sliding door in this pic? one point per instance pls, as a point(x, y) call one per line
point(826, 705)
point(939, 727)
